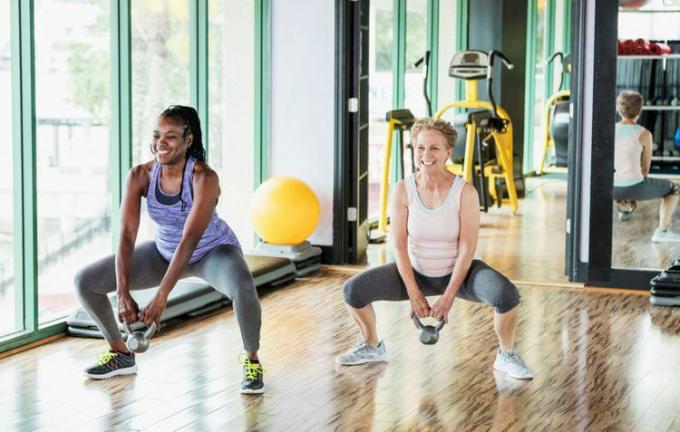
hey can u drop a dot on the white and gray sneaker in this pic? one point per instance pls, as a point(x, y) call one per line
point(512, 364)
point(363, 353)
point(667, 236)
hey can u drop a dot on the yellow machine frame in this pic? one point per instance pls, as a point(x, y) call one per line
point(503, 142)
point(384, 185)
point(548, 142)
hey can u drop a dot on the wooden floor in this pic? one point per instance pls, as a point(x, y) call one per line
point(631, 244)
point(603, 360)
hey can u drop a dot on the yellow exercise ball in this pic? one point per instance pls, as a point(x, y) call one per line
point(284, 210)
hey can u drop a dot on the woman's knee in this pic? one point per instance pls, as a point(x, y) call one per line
point(350, 291)
point(508, 298)
point(82, 282)
point(239, 287)
point(675, 188)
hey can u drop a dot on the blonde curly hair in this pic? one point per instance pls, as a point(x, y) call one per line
point(629, 104)
point(442, 126)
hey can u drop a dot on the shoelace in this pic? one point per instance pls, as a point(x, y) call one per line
point(252, 369)
point(513, 354)
point(106, 357)
point(364, 348)
point(360, 347)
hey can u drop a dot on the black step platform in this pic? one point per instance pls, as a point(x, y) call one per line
point(664, 301)
point(668, 280)
point(191, 296)
point(665, 292)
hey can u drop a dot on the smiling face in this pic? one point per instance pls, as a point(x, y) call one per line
point(169, 143)
point(432, 151)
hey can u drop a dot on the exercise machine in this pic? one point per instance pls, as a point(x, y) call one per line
point(486, 158)
point(400, 121)
point(556, 132)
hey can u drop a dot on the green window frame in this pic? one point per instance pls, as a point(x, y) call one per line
point(549, 47)
point(399, 64)
point(262, 61)
point(24, 134)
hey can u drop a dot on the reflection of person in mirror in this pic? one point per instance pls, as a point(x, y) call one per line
point(632, 160)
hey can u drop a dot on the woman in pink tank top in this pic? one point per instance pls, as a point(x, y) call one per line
point(632, 160)
point(434, 225)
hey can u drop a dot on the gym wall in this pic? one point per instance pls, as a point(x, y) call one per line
point(235, 160)
point(302, 100)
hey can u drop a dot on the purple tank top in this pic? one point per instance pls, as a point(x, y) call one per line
point(170, 214)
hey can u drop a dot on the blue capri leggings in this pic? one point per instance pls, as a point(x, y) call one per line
point(482, 284)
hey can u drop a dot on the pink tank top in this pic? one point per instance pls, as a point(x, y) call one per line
point(433, 234)
point(627, 155)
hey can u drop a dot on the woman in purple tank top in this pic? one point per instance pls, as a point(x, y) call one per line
point(181, 193)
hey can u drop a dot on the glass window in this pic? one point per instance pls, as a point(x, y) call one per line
point(72, 50)
point(416, 45)
point(380, 94)
point(160, 74)
point(8, 295)
point(539, 85)
point(231, 125)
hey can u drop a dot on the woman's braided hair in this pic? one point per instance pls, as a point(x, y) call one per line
point(192, 125)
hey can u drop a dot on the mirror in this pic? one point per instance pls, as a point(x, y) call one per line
point(649, 64)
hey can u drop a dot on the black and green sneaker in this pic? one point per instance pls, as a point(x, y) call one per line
point(112, 363)
point(252, 376)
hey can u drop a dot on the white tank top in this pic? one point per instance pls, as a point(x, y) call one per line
point(628, 155)
point(433, 234)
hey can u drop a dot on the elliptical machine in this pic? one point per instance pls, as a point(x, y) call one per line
point(486, 158)
point(556, 134)
point(400, 121)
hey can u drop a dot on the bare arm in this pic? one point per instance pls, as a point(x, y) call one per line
point(646, 158)
point(137, 180)
point(399, 239)
point(399, 236)
point(206, 191)
point(467, 243)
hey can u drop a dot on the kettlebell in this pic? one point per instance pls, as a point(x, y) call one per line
point(138, 342)
point(428, 334)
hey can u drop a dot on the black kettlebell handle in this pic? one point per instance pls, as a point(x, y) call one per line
point(147, 334)
point(420, 326)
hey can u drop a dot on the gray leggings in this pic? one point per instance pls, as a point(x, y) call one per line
point(482, 284)
point(224, 268)
point(648, 189)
